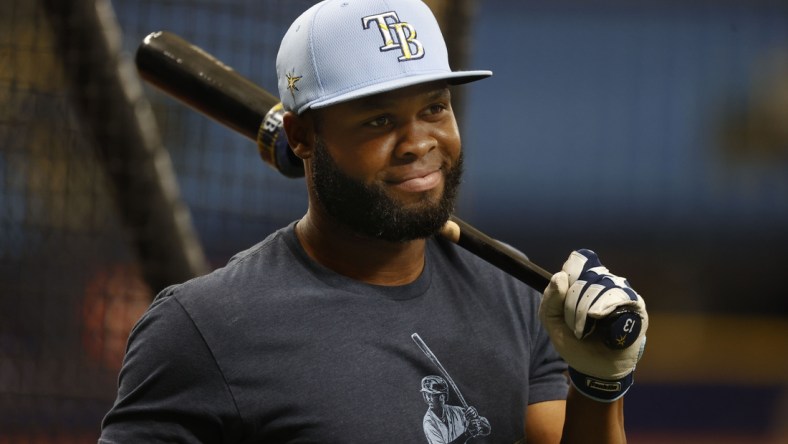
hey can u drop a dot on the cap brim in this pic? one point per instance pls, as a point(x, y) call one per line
point(452, 78)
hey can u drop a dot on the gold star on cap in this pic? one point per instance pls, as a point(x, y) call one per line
point(291, 83)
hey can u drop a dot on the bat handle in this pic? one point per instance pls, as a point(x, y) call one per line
point(617, 330)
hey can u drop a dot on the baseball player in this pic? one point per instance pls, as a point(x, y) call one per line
point(306, 336)
point(448, 423)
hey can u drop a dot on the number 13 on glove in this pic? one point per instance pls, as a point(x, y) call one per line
point(578, 295)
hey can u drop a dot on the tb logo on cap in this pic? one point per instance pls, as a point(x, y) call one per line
point(396, 35)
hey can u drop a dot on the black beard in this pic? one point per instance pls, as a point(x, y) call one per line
point(368, 210)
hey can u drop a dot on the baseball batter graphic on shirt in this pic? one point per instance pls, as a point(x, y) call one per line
point(444, 423)
point(449, 423)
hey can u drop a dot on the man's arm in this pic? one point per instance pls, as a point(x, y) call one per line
point(579, 419)
point(544, 421)
point(171, 389)
point(588, 421)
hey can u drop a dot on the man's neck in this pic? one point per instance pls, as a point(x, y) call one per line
point(357, 256)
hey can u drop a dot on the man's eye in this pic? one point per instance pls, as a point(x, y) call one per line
point(379, 121)
point(437, 108)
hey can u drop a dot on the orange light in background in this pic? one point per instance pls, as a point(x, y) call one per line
point(114, 300)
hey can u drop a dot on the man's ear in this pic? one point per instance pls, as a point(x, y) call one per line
point(300, 132)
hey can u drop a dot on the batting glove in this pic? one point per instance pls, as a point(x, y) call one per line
point(581, 292)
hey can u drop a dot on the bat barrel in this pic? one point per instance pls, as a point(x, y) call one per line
point(195, 77)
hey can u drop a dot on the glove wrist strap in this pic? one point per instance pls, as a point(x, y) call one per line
point(602, 390)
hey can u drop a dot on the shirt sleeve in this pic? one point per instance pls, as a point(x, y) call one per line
point(170, 387)
point(548, 381)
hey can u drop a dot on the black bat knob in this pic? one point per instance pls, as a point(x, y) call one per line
point(618, 330)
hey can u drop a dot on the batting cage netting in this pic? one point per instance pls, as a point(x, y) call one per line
point(111, 190)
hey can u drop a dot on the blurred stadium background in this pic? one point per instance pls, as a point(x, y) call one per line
point(654, 132)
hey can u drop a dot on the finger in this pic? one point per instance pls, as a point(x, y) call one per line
point(552, 305)
point(612, 299)
point(580, 297)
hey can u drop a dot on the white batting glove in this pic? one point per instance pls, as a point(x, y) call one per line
point(582, 291)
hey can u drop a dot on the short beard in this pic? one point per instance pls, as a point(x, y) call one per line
point(368, 210)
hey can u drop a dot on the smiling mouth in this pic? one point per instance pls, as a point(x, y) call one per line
point(421, 183)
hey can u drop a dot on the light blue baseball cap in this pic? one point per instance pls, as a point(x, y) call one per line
point(340, 50)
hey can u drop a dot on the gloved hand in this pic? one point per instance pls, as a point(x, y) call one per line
point(585, 289)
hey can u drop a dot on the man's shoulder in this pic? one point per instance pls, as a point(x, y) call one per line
point(247, 269)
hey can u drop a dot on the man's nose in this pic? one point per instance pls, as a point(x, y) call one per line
point(416, 139)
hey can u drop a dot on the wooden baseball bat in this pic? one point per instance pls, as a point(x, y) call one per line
point(200, 80)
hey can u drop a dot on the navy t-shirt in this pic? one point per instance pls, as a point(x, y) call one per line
point(275, 347)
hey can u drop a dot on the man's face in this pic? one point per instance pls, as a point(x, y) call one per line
point(388, 166)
